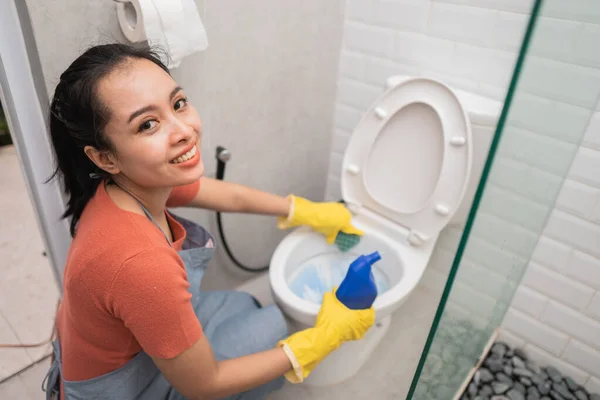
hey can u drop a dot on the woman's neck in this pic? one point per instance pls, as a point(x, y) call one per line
point(153, 199)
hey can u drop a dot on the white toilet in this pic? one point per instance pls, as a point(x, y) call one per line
point(405, 173)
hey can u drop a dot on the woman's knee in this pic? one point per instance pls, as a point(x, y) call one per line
point(250, 332)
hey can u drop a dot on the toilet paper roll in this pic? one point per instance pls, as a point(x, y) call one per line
point(174, 25)
point(140, 21)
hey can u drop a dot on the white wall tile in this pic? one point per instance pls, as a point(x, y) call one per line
point(529, 301)
point(422, 50)
point(577, 232)
point(593, 385)
point(542, 185)
point(496, 258)
point(533, 183)
point(492, 67)
point(453, 81)
point(515, 208)
point(578, 198)
point(562, 121)
point(378, 70)
point(340, 141)
point(483, 279)
point(583, 357)
point(335, 164)
point(579, 86)
point(544, 358)
point(560, 81)
point(358, 10)
point(356, 94)
point(581, 10)
point(557, 286)
point(491, 92)
point(593, 309)
point(509, 173)
point(462, 23)
point(519, 6)
point(352, 65)
point(534, 331)
point(573, 323)
point(509, 30)
point(407, 15)
point(470, 298)
point(551, 253)
point(554, 38)
point(369, 40)
point(596, 213)
point(587, 38)
point(504, 234)
point(586, 166)
point(585, 268)
point(542, 152)
point(511, 339)
point(592, 134)
point(333, 191)
point(346, 117)
point(567, 122)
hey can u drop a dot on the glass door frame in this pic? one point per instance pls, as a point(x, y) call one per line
point(25, 101)
point(478, 194)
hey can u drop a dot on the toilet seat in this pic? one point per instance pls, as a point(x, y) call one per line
point(409, 159)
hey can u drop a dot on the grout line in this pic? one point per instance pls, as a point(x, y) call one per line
point(22, 370)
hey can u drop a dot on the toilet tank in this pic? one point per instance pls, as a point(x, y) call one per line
point(483, 115)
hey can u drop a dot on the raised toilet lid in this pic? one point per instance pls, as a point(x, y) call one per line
point(409, 158)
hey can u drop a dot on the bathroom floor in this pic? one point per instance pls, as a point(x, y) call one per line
point(28, 289)
point(389, 372)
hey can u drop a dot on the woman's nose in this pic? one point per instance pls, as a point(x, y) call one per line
point(180, 131)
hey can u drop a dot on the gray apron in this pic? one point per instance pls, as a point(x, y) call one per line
point(233, 322)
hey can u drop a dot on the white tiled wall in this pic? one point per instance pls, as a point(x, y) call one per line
point(472, 45)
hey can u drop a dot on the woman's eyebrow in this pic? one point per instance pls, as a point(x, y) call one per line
point(174, 92)
point(152, 107)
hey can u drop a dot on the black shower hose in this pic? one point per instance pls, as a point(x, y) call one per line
point(222, 158)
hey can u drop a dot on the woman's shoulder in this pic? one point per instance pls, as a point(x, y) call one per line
point(107, 237)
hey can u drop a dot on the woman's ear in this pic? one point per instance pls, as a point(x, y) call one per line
point(104, 160)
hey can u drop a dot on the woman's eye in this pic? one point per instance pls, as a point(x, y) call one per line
point(179, 104)
point(147, 125)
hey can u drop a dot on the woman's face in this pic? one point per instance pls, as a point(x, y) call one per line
point(154, 130)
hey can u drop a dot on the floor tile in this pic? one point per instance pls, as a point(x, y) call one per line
point(11, 360)
point(33, 377)
point(29, 290)
point(14, 388)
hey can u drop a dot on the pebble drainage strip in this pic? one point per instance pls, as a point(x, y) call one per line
point(508, 374)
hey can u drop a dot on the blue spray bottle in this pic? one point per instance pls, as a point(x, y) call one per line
point(358, 290)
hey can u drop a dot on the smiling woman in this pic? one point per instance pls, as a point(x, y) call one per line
point(127, 145)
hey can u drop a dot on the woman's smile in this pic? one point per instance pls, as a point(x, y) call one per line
point(187, 157)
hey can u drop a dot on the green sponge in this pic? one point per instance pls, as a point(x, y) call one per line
point(346, 241)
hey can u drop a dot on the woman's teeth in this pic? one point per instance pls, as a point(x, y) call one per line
point(186, 156)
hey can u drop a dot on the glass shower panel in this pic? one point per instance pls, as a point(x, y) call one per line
point(547, 109)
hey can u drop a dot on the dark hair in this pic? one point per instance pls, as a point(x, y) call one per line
point(77, 119)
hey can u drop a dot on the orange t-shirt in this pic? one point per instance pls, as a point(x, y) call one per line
point(125, 290)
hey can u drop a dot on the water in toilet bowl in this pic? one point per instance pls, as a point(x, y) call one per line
point(322, 273)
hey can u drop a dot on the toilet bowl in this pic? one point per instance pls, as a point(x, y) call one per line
point(404, 174)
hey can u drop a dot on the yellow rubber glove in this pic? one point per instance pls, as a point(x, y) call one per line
point(335, 325)
point(326, 218)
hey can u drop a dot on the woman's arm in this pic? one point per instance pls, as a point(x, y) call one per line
point(198, 376)
point(230, 197)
